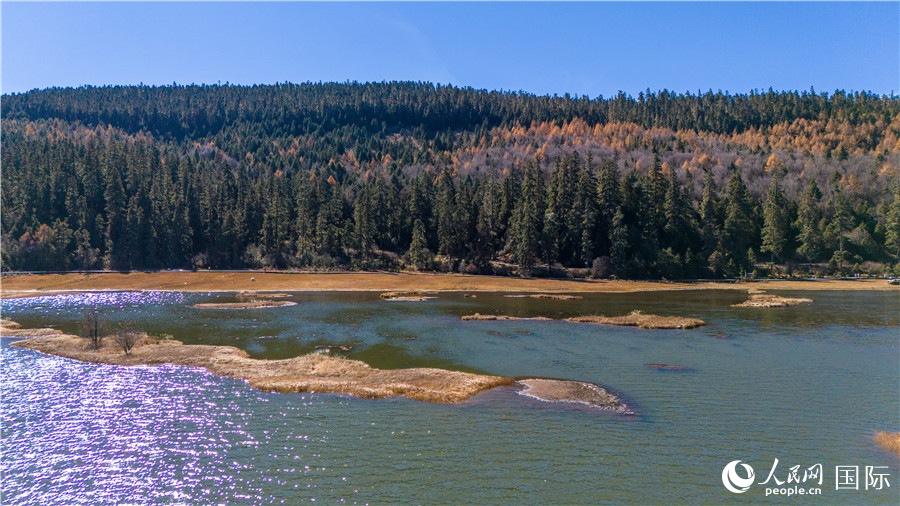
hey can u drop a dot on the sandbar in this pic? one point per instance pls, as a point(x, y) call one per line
point(408, 295)
point(766, 300)
point(641, 320)
point(890, 441)
point(495, 317)
point(253, 304)
point(554, 296)
point(579, 392)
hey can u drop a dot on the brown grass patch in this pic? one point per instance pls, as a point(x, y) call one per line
point(555, 296)
point(550, 390)
point(890, 441)
point(641, 320)
point(315, 372)
point(253, 304)
point(494, 317)
point(257, 295)
point(11, 332)
point(766, 300)
point(635, 319)
point(8, 324)
point(30, 285)
point(408, 295)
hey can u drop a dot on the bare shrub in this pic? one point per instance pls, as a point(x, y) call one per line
point(126, 339)
point(93, 328)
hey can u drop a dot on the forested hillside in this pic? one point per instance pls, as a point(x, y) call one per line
point(417, 176)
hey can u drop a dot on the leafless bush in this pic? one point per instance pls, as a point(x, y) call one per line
point(126, 339)
point(93, 328)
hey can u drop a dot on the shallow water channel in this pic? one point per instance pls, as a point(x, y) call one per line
point(805, 385)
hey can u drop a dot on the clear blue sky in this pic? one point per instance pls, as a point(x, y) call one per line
point(542, 48)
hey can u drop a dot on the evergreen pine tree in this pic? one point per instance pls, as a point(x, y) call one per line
point(586, 211)
point(364, 220)
point(619, 243)
point(444, 215)
point(710, 216)
point(738, 227)
point(808, 220)
point(417, 254)
point(526, 246)
point(487, 229)
point(608, 202)
point(892, 228)
point(840, 223)
point(115, 242)
point(776, 223)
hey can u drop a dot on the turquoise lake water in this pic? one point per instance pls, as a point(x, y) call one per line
point(806, 385)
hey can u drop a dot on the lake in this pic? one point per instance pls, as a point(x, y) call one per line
point(805, 385)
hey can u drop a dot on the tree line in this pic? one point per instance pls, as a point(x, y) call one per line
point(369, 177)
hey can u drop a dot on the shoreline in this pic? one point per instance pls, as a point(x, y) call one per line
point(32, 285)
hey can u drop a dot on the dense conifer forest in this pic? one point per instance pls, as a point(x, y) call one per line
point(423, 177)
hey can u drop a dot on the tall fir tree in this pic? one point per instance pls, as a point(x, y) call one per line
point(840, 223)
point(711, 221)
point(417, 253)
point(892, 225)
point(609, 199)
point(528, 225)
point(738, 227)
point(444, 215)
point(488, 227)
point(776, 228)
point(586, 211)
point(808, 223)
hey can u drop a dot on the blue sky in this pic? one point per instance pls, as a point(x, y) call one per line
point(542, 48)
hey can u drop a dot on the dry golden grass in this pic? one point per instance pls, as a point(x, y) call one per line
point(253, 304)
point(314, 372)
point(43, 284)
point(257, 295)
point(890, 441)
point(8, 324)
point(492, 317)
point(550, 390)
point(766, 300)
point(408, 295)
point(634, 319)
point(9, 328)
point(641, 320)
point(9, 332)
